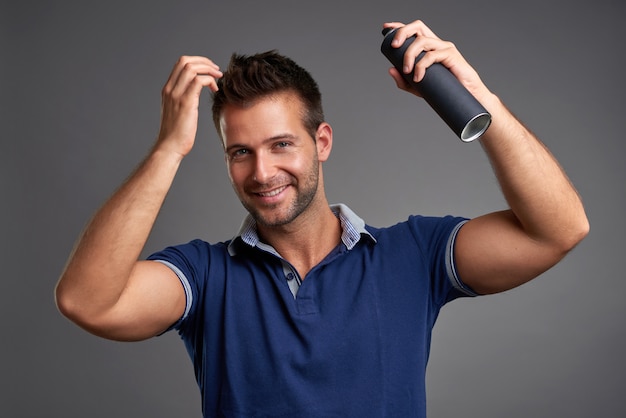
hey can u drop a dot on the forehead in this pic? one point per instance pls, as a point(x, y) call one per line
point(262, 118)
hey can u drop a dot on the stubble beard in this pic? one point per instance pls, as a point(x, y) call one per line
point(305, 194)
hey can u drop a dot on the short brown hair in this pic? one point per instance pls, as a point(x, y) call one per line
point(251, 77)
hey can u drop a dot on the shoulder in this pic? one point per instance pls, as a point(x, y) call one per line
point(196, 252)
point(419, 227)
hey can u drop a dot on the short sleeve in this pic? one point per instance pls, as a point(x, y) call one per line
point(189, 262)
point(436, 240)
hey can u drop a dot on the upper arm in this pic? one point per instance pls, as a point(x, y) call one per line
point(152, 301)
point(493, 253)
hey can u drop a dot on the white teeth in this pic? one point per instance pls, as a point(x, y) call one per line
point(273, 192)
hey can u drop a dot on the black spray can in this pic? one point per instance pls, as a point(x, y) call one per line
point(443, 92)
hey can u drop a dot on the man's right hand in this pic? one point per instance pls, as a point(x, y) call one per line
point(180, 98)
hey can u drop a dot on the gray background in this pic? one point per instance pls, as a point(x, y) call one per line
point(80, 97)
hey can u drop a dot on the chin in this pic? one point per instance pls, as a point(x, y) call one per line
point(273, 221)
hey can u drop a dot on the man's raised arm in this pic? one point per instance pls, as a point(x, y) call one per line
point(546, 219)
point(103, 288)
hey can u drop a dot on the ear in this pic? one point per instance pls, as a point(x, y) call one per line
point(324, 141)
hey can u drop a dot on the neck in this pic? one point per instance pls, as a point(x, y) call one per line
point(307, 240)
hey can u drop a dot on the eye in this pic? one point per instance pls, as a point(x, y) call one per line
point(239, 153)
point(282, 144)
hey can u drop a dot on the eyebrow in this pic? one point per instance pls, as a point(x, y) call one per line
point(265, 141)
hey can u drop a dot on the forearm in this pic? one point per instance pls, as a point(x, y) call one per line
point(535, 186)
point(105, 255)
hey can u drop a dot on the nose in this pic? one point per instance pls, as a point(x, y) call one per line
point(264, 169)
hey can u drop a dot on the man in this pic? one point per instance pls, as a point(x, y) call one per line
point(309, 312)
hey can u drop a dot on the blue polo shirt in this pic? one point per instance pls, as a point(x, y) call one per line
point(350, 340)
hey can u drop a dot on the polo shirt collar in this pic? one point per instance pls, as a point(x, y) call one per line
point(353, 230)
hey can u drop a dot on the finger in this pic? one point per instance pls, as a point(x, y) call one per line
point(186, 60)
point(445, 53)
point(392, 25)
point(195, 76)
point(419, 28)
point(185, 63)
point(397, 77)
point(429, 46)
point(209, 81)
point(190, 69)
point(401, 82)
point(191, 79)
point(403, 32)
point(419, 45)
point(399, 37)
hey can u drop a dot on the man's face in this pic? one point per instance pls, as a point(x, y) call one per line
point(271, 158)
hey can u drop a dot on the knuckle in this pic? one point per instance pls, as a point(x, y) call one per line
point(187, 66)
point(196, 82)
point(166, 91)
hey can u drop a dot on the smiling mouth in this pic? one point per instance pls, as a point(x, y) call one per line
point(271, 193)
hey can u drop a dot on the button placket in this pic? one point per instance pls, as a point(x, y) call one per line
point(293, 280)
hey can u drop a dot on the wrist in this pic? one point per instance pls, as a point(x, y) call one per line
point(163, 162)
point(490, 101)
point(166, 152)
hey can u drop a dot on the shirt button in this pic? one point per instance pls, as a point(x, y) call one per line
point(290, 276)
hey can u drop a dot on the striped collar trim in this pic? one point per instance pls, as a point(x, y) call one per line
point(353, 229)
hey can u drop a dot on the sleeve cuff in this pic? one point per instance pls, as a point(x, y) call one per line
point(453, 276)
point(186, 286)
